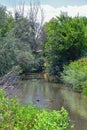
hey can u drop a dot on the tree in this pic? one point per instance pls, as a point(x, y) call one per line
point(3, 15)
point(66, 41)
point(7, 53)
point(28, 29)
point(19, 39)
point(6, 21)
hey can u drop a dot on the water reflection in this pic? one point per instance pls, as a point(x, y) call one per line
point(54, 96)
point(76, 102)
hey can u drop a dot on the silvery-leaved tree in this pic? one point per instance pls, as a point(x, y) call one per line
point(29, 22)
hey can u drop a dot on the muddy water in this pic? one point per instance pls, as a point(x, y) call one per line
point(54, 96)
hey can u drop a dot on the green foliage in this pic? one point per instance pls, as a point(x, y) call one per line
point(3, 17)
point(16, 69)
point(18, 39)
point(28, 32)
point(7, 54)
point(17, 117)
point(84, 91)
point(76, 74)
point(66, 41)
point(39, 64)
point(30, 62)
point(7, 41)
point(55, 120)
point(14, 116)
point(9, 24)
point(38, 61)
point(6, 21)
point(25, 60)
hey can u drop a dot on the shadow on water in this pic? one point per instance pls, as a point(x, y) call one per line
point(54, 96)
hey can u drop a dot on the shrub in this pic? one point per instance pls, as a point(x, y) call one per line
point(30, 62)
point(39, 63)
point(55, 120)
point(76, 74)
point(84, 92)
point(7, 54)
point(25, 60)
point(28, 117)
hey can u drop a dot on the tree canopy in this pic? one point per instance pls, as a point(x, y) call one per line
point(19, 38)
point(66, 40)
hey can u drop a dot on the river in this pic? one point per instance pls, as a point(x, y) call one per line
point(54, 96)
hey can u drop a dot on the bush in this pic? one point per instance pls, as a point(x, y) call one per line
point(7, 53)
point(76, 74)
point(39, 63)
point(16, 117)
point(54, 120)
point(84, 92)
point(25, 61)
point(30, 62)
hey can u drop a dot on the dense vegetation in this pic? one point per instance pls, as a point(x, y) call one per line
point(21, 47)
point(16, 117)
point(25, 45)
point(66, 41)
point(25, 42)
point(20, 41)
point(75, 74)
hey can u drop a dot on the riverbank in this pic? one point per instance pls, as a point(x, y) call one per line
point(10, 90)
point(53, 96)
point(9, 83)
